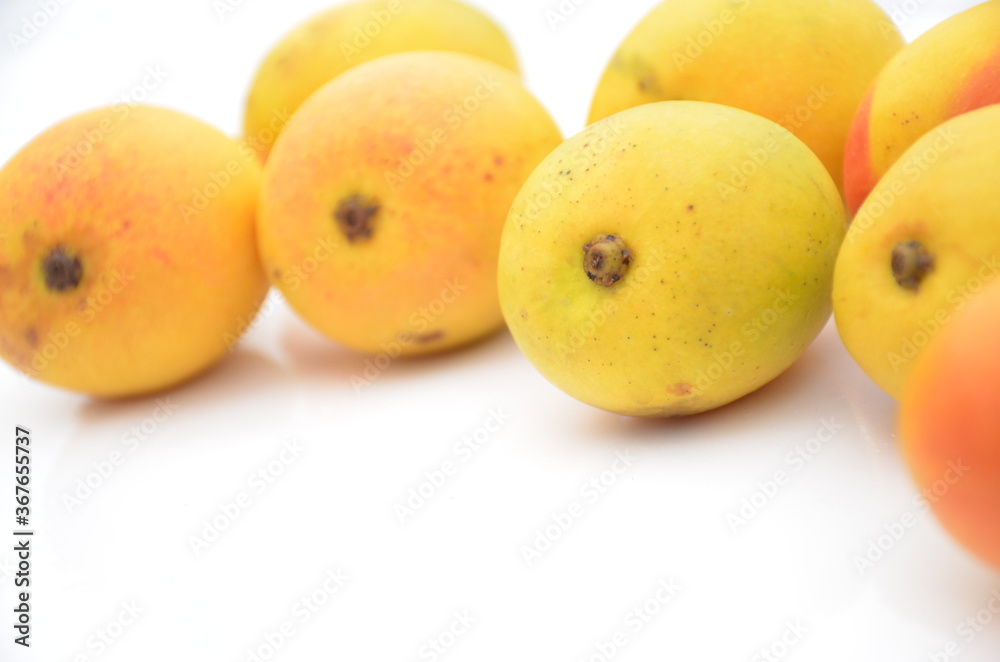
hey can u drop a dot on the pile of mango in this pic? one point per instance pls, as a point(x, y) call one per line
point(749, 168)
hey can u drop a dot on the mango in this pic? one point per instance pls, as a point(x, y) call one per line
point(805, 65)
point(384, 199)
point(925, 242)
point(130, 261)
point(671, 258)
point(346, 35)
point(949, 426)
point(949, 70)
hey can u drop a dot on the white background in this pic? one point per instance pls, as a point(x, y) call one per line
point(666, 517)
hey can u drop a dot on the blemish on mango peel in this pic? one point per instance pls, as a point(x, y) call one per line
point(62, 270)
point(911, 262)
point(355, 216)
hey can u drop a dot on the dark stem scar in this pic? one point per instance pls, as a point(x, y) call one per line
point(911, 262)
point(355, 216)
point(606, 259)
point(62, 270)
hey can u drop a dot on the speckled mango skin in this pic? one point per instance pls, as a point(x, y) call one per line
point(169, 280)
point(943, 193)
point(951, 69)
point(803, 64)
point(442, 143)
point(728, 284)
point(347, 35)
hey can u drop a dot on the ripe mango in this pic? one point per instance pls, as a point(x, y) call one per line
point(671, 258)
point(129, 260)
point(922, 245)
point(805, 65)
point(384, 199)
point(347, 35)
point(949, 70)
point(949, 426)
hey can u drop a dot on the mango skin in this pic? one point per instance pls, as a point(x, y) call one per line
point(949, 70)
point(441, 143)
point(942, 192)
point(169, 280)
point(950, 430)
point(804, 65)
point(727, 286)
point(333, 41)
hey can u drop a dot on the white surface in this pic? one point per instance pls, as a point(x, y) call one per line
point(790, 572)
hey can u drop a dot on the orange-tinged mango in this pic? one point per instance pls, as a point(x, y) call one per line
point(950, 427)
point(128, 261)
point(384, 199)
point(951, 69)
